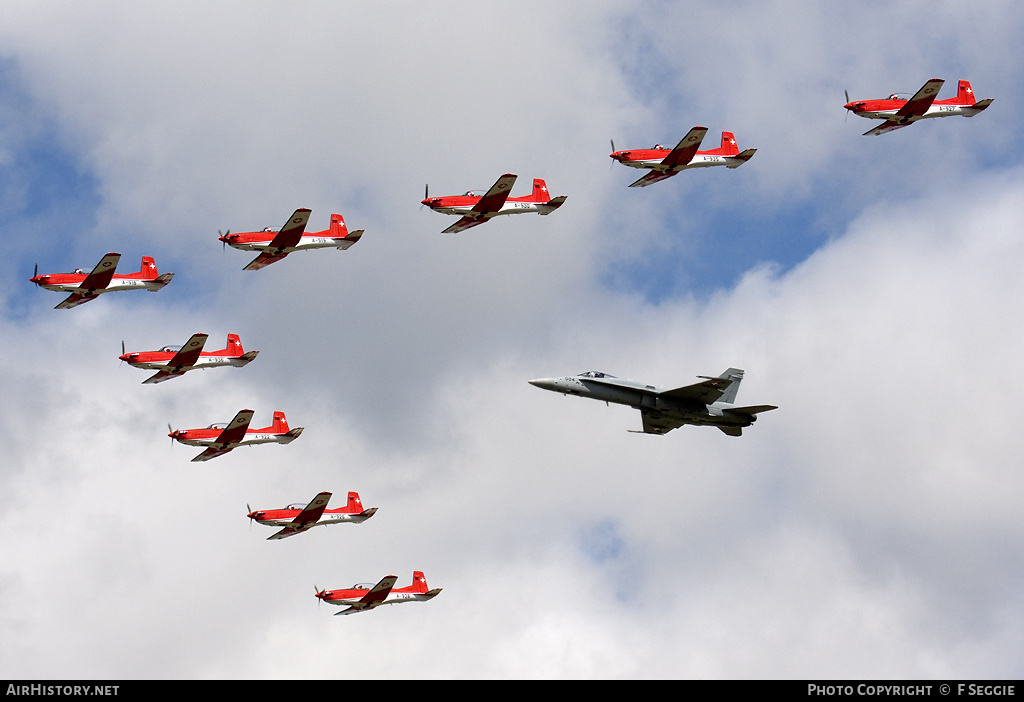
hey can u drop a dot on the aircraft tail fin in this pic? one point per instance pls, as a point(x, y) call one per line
point(540, 191)
point(339, 230)
point(964, 93)
point(355, 505)
point(419, 582)
point(280, 425)
point(234, 347)
point(148, 270)
point(735, 375)
point(729, 145)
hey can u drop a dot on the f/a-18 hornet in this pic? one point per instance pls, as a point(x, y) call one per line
point(173, 361)
point(88, 286)
point(899, 112)
point(365, 596)
point(665, 163)
point(302, 517)
point(706, 403)
point(274, 245)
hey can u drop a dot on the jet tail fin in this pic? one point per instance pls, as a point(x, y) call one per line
point(735, 375)
point(148, 269)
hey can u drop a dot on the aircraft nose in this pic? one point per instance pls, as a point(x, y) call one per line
point(544, 383)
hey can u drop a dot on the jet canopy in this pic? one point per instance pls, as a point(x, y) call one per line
point(298, 505)
point(171, 349)
point(219, 425)
point(595, 374)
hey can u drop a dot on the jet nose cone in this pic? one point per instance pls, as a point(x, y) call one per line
point(544, 383)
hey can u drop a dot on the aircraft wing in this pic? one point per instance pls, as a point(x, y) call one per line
point(705, 392)
point(98, 279)
point(652, 177)
point(464, 224)
point(496, 196)
point(887, 126)
point(182, 361)
point(306, 519)
point(74, 300)
point(264, 260)
point(291, 232)
point(377, 594)
point(656, 422)
point(922, 100)
point(686, 149)
point(102, 274)
point(229, 438)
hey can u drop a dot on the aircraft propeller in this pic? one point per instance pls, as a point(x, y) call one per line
point(612, 165)
point(847, 93)
point(223, 243)
point(36, 271)
point(426, 193)
point(170, 430)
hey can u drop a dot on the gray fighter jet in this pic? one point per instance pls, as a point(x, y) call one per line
point(709, 402)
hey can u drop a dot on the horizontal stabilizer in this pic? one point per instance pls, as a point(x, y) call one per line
point(743, 156)
point(750, 410)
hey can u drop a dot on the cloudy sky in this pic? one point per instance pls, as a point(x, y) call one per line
point(869, 286)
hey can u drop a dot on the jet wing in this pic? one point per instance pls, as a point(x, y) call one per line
point(686, 149)
point(182, 361)
point(659, 422)
point(229, 438)
point(652, 177)
point(291, 232)
point(922, 100)
point(706, 392)
point(377, 594)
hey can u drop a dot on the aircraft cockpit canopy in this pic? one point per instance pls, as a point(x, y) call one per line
point(219, 425)
point(364, 586)
point(595, 374)
point(171, 349)
point(298, 505)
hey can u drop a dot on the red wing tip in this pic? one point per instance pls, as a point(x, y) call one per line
point(509, 175)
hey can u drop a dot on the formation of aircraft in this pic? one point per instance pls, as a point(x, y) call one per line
point(706, 403)
point(363, 597)
point(476, 209)
point(899, 112)
point(222, 438)
point(664, 163)
point(174, 361)
point(87, 286)
point(301, 517)
point(274, 245)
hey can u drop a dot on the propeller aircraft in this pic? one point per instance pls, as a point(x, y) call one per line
point(174, 361)
point(87, 286)
point(899, 112)
point(665, 163)
point(302, 517)
point(221, 438)
point(363, 597)
point(476, 209)
point(707, 403)
point(274, 245)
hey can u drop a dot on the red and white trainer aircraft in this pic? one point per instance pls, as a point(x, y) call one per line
point(365, 596)
point(87, 286)
point(302, 517)
point(221, 438)
point(274, 245)
point(665, 163)
point(173, 361)
point(476, 209)
point(899, 112)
